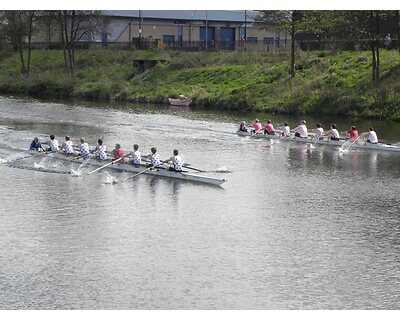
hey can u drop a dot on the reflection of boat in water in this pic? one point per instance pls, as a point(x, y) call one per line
point(181, 101)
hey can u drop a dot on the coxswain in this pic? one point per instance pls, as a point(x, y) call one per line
point(136, 156)
point(102, 155)
point(372, 136)
point(242, 127)
point(301, 130)
point(84, 148)
point(333, 134)
point(176, 161)
point(352, 133)
point(256, 126)
point(118, 153)
point(52, 143)
point(286, 130)
point(36, 145)
point(319, 132)
point(269, 128)
point(67, 146)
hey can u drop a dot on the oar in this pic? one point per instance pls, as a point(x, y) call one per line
point(135, 175)
point(106, 165)
point(191, 168)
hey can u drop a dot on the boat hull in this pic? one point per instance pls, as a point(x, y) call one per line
point(180, 102)
point(160, 172)
point(259, 135)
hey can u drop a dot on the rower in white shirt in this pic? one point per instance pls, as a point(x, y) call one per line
point(67, 146)
point(301, 130)
point(84, 148)
point(285, 130)
point(372, 136)
point(52, 143)
point(319, 132)
point(333, 133)
point(154, 158)
point(102, 155)
point(176, 161)
point(137, 159)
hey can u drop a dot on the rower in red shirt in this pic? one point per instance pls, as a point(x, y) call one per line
point(118, 153)
point(353, 133)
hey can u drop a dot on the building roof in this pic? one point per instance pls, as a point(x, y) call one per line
point(211, 15)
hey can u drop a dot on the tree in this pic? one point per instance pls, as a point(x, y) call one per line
point(76, 25)
point(286, 19)
point(18, 28)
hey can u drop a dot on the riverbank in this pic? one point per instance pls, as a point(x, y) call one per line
point(325, 83)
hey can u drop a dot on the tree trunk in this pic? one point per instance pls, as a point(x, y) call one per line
point(293, 52)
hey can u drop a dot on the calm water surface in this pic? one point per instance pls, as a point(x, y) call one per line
point(293, 228)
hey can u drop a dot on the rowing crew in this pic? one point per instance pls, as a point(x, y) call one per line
point(100, 153)
point(301, 131)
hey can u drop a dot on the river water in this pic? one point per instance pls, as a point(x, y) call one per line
point(292, 228)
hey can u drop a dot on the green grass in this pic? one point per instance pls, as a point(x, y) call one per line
point(325, 83)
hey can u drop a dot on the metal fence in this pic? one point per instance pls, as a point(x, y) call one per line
point(217, 46)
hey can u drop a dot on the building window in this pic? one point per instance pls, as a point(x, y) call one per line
point(168, 39)
point(251, 39)
point(268, 40)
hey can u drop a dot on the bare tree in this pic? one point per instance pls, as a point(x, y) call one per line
point(76, 25)
point(18, 28)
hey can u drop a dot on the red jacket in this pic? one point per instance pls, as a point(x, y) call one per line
point(118, 153)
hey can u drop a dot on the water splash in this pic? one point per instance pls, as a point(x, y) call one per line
point(3, 160)
point(343, 150)
point(110, 179)
point(76, 173)
point(222, 169)
point(38, 165)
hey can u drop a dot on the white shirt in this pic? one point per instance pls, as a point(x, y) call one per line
point(373, 138)
point(102, 152)
point(319, 132)
point(67, 147)
point(84, 147)
point(176, 163)
point(137, 158)
point(53, 144)
point(335, 133)
point(155, 160)
point(286, 131)
point(302, 130)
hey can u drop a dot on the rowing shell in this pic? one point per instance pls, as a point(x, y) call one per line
point(258, 135)
point(160, 172)
point(356, 145)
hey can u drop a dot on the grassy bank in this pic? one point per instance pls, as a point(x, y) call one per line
point(326, 82)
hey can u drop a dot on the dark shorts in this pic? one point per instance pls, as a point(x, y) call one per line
point(335, 139)
point(369, 141)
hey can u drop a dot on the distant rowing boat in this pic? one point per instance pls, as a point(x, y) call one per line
point(161, 172)
point(347, 144)
point(353, 145)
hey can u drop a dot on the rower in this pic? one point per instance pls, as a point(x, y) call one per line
point(137, 159)
point(84, 148)
point(242, 127)
point(101, 150)
point(67, 146)
point(333, 133)
point(52, 143)
point(269, 128)
point(154, 158)
point(285, 130)
point(301, 130)
point(256, 127)
point(319, 132)
point(36, 145)
point(118, 153)
point(353, 133)
point(176, 162)
point(372, 136)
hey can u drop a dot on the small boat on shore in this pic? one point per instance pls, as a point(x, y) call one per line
point(181, 101)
